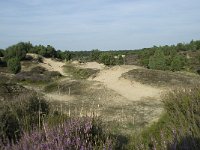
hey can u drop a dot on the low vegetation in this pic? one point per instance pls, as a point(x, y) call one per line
point(80, 133)
point(4, 78)
point(28, 121)
point(14, 65)
point(178, 128)
point(37, 75)
point(32, 123)
point(183, 56)
point(79, 73)
point(162, 78)
point(75, 87)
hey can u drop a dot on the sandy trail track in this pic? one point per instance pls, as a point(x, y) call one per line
point(133, 91)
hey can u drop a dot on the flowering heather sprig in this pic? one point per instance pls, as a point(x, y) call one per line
point(73, 134)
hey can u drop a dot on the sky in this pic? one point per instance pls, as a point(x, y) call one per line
point(99, 24)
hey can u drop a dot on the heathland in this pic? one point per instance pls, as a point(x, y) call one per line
point(125, 99)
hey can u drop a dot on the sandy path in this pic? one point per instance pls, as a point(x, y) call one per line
point(53, 65)
point(133, 91)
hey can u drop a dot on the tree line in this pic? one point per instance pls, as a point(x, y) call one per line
point(173, 57)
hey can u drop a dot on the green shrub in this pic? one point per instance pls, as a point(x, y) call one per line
point(14, 65)
point(79, 73)
point(94, 55)
point(52, 74)
point(157, 61)
point(18, 50)
point(37, 75)
point(37, 103)
point(2, 51)
point(38, 70)
point(107, 59)
point(177, 63)
point(161, 78)
point(84, 73)
point(10, 126)
point(22, 114)
point(178, 128)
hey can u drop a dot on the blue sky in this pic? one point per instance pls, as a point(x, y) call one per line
point(102, 24)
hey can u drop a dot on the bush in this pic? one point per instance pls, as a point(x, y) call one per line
point(1, 62)
point(84, 73)
point(157, 61)
point(80, 73)
point(107, 59)
point(31, 77)
point(178, 128)
point(94, 55)
point(14, 65)
point(10, 126)
point(161, 78)
point(2, 53)
point(37, 103)
point(20, 116)
point(38, 70)
point(9, 91)
point(177, 63)
point(52, 74)
point(18, 50)
point(77, 133)
point(37, 75)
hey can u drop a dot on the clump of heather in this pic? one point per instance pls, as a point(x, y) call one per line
point(79, 133)
point(178, 128)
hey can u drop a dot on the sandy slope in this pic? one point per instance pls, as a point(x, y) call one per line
point(93, 65)
point(111, 77)
point(133, 91)
point(53, 65)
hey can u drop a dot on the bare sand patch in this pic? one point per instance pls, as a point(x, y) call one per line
point(53, 65)
point(93, 65)
point(132, 90)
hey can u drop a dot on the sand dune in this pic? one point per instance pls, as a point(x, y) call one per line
point(111, 78)
point(133, 91)
point(93, 65)
point(53, 65)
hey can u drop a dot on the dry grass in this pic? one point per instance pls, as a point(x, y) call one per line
point(37, 75)
point(79, 73)
point(161, 78)
point(88, 96)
